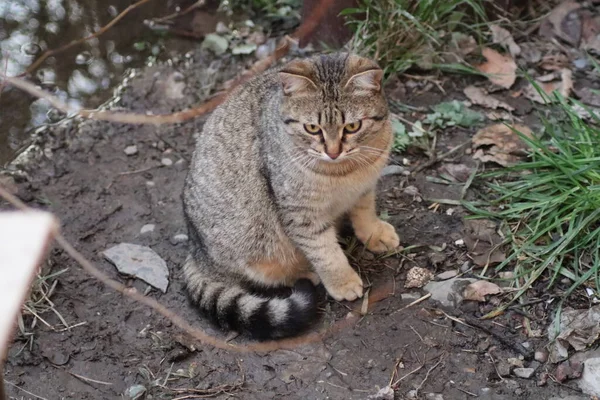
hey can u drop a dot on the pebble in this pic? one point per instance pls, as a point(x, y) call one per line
point(541, 355)
point(131, 150)
point(393, 170)
point(135, 392)
point(465, 267)
point(148, 228)
point(180, 238)
point(180, 164)
point(590, 380)
point(524, 373)
point(459, 242)
point(167, 162)
point(446, 275)
point(503, 368)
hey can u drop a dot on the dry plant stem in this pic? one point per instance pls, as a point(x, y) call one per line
point(132, 118)
point(101, 31)
point(381, 293)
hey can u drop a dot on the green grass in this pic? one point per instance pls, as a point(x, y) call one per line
point(401, 33)
point(549, 205)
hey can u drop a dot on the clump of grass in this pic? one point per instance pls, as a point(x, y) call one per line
point(550, 205)
point(401, 33)
point(38, 303)
point(270, 9)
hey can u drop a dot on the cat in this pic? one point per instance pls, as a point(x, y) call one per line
point(275, 167)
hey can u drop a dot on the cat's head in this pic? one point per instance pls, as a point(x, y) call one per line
point(334, 108)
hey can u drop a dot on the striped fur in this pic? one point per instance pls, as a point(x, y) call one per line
point(262, 195)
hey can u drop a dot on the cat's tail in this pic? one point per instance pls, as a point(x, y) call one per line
point(236, 308)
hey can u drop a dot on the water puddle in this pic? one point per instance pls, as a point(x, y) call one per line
point(82, 75)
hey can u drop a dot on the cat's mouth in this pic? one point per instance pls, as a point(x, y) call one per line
point(332, 158)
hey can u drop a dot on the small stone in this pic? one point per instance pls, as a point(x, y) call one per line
point(590, 380)
point(412, 394)
point(459, 242)
point(527, 345)
point(515, 362)
point(167, 162)
point(150, 184)
point(581, 63)
point(135, 392)
point(148, 228)
point(465, 267)
point(393, 170)
point(446, 275)
point(131, 150)
point(541, 355)
point(503, 368)
point(180, 164)
point(434, 396)
point(524, 373)
point(180, 238)
point(221, 28)
point(141, 262)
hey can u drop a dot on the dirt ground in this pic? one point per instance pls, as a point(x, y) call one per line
point(103, 197)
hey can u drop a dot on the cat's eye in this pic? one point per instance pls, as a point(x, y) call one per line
point(312, 129)
point(352, 127)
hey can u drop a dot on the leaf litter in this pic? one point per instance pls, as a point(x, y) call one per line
point(482, 98)
point(500, 69)
point(506, 149)
point(483, 242)
point(478, 291)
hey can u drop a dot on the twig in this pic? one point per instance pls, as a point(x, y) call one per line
point(436, 158)
point(381, 293)
point(133, 118)
point(100, 31)
point(23, 390)
point(89, 380)
point(428, 372)
point(174, 15)
point(417, 301)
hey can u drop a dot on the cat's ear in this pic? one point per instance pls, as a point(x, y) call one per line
point(295, 77)
point(295, 84)
point(369, 81)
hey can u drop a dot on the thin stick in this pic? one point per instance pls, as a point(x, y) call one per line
point(101, 31)
point(21, 389)
point(381, 293)
point(417, 301)
point(303, 31)
point(89, 380)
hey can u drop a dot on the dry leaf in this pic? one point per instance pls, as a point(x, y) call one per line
point(507, 148)
point(481, 97)
point(478, 290)
point(564, 22)
point(501, 69)
point(587, 96)
point(563, 86)
point(503, 37)
point(590, 33)
point(483, 242)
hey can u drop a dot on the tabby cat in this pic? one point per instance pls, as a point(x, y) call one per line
point(276, 166)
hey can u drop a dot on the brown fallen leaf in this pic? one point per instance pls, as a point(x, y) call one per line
point(564, 22)
point(590, 32)
point(481, 97)
point(587, 96)
point(483, 242)
point(500, 69)
point(507, 147)
point(478, 290)
point(563, 86)
point(503, 37)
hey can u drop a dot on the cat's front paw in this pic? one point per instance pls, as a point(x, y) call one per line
point(348, 286)
point(380, 237)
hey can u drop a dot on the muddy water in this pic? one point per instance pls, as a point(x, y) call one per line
point(83, 75)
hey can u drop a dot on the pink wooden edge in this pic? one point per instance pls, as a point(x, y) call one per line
point(25, 237)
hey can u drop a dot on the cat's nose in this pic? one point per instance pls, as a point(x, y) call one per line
point(333, 156)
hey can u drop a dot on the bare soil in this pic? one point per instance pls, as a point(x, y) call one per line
point(104, 197)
